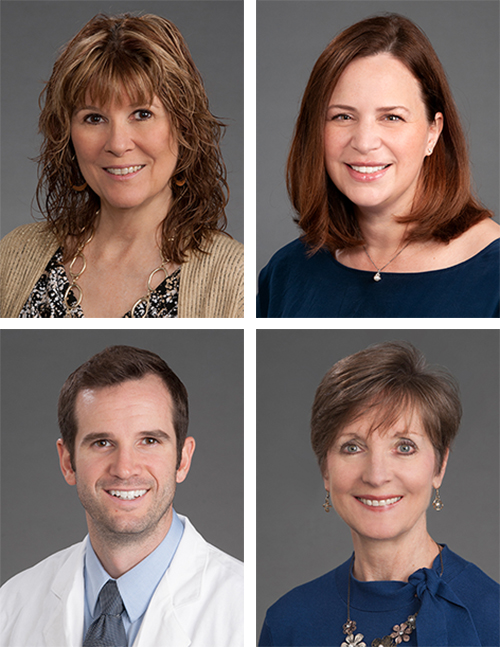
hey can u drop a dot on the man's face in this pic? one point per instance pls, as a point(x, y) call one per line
point(125, 460)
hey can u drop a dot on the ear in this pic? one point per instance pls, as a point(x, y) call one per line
point(438, 479)
point(65, 463)
point(435, 130)
point(187, 455)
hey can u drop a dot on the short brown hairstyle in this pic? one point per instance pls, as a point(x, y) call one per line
point(111, 367)
point(389, 379)
point(444, 206)
point(145, 56)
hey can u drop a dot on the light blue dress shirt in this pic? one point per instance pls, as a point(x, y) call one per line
point(136, 586)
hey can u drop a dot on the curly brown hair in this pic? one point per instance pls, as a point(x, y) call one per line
point(145, 56)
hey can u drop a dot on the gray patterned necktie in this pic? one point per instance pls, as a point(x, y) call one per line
point(108, 629)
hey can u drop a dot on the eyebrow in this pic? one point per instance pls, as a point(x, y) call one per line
point(94, 436)
point(382, 109)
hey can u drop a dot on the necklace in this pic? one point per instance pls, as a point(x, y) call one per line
point(76, 275)
point(400, 633)
point(377, 276)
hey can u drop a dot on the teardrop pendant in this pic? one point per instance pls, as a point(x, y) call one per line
point(377, 277)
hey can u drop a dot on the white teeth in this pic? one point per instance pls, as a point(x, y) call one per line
point(382, 502)
point(127, 495)
point(124, 171)
point(368, 169)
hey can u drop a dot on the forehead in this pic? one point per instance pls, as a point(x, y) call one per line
point(134, 405)
point(385, 422)
point(381, 79)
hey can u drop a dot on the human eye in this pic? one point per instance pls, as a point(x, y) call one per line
point(393, 118)
point(101, 443)
point(143, 115)
point(407, 447)
point(150, 441)
point(340, 117)
point(93, 118)
point(350, 448)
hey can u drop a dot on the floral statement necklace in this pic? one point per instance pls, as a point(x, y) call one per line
point(400, 633)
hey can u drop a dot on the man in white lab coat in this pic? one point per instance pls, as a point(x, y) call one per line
point(123, 417)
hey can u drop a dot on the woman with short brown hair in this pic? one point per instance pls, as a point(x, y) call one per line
point(378, 174)
point(132, 185)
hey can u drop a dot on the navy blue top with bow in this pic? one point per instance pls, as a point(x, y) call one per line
point(459, 608)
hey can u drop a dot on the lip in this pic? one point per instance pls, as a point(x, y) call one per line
point(123, 178)
point(379, 508)
point(367, 177)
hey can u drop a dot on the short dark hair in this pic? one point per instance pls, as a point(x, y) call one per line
point(444, 206)
point(111, 367)
point(389, 379)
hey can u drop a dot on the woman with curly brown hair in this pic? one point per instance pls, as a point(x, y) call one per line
point(132, 185)
point(378, 175)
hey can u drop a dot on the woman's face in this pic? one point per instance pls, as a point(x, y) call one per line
point(381, 483)
point(377, 135)
point(127, 153)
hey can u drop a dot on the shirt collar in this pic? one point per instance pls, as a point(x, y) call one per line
point(137, 586)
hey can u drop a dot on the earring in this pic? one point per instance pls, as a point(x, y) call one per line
point(80, 187)
point(429, 151)
point(327, 504)
point(180, 181)
point(437, 503)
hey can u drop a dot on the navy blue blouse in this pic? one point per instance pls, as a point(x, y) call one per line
point(295, 285)
point(459, 608)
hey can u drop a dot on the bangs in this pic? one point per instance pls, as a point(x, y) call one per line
point(107, 80)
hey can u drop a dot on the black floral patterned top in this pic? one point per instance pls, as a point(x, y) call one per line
point(47, 297)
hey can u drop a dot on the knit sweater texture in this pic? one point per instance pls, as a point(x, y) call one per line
point(211, 283)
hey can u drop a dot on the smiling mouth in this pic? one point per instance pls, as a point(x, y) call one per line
point(124, 171)
point(378, 503)
point(366, 170)
point(127, 495)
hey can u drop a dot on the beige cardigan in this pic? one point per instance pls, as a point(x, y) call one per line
point(211, 284)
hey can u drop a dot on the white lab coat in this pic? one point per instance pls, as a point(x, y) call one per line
point(198, 602)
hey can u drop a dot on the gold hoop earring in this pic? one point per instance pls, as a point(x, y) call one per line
point(327, 504)
point(80, 187)
point(437, 503)
point(180, 181)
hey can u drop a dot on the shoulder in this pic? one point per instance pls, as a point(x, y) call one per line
point(37, 580)
point(212, 281)
point(28, 236)
point(479, 238)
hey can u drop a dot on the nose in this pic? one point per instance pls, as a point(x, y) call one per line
point(377, 470)
point(119, 140)
point(124, 463)
point(365, 138)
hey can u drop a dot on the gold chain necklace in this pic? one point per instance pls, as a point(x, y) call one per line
point(76, 275)
point(400, 633)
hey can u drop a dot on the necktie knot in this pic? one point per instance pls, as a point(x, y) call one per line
point(108, 630)
point(110, 599)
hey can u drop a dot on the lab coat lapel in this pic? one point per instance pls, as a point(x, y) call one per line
point(64, 627)
point(180, 586)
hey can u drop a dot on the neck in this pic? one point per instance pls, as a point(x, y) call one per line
point(396, 560)
point(382, 232)
point(119, 553)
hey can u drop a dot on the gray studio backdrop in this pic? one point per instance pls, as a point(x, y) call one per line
point(296, 540)
point(41, 514)
point(32, 33)
point(290, 37)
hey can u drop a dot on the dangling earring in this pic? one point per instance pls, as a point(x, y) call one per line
point(327, 504)
point(78, 187)
point(437, 503)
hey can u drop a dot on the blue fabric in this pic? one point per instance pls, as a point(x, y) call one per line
point(459, 608)
point(295, 285)
point(136, 587)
